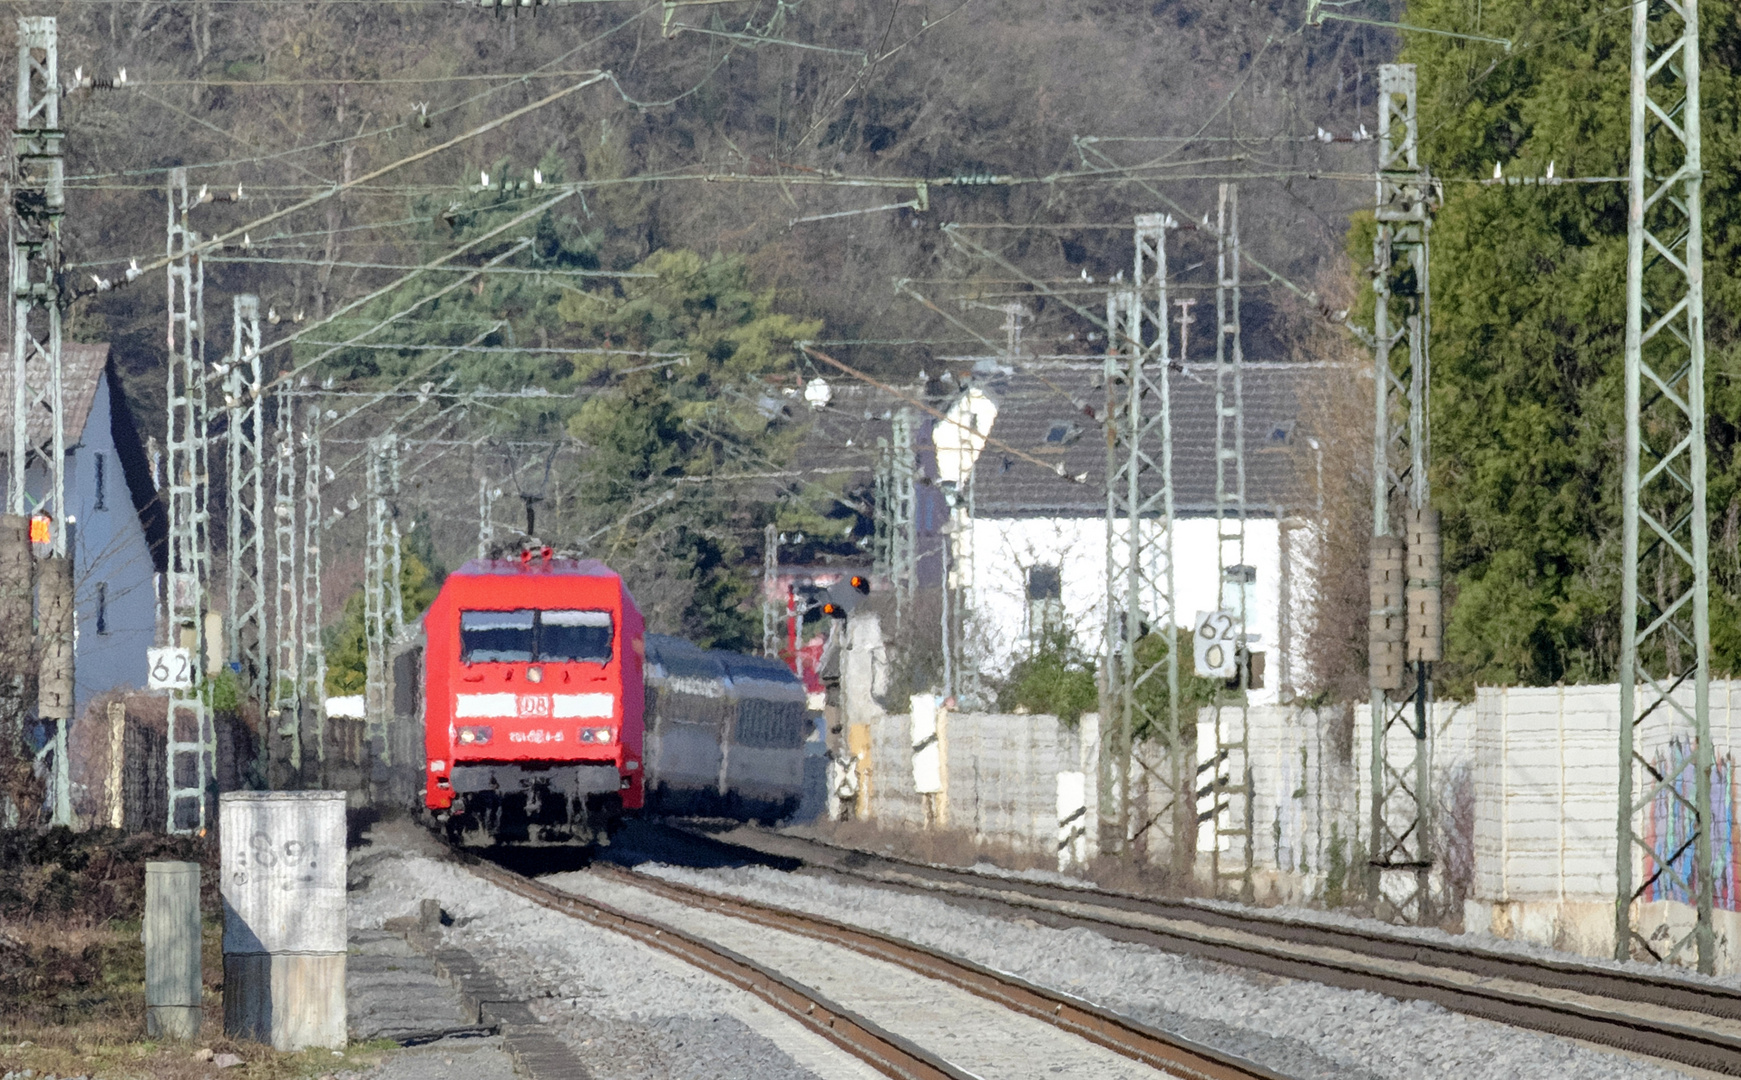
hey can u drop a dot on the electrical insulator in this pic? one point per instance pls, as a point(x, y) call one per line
point(1425, 623)
point(54, 630)
point(1385, 638)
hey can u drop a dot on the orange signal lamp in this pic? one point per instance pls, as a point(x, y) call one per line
point(41, 531)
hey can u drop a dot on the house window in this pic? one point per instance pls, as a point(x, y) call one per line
point(1063, 432)
point(101, 485)
point(1045, 600)
point(102, 600)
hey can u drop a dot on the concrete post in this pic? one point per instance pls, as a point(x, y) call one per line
point(928, 768)
point(858, 745)
point(1072, 821)
point(283, 881)
point(172, 950)
point(114, 795)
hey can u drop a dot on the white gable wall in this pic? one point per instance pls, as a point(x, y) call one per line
point(1004, 549)
point(111, 564)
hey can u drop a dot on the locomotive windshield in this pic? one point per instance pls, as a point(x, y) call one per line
point(503, 637)
point(575, 635)
point(527, 635)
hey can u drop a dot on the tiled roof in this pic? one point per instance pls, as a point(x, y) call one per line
point(81, 369)
point(842, 435)
point(1051, 409)
point(1052, 412)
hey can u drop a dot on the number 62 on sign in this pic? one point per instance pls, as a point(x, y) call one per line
point(170, 669)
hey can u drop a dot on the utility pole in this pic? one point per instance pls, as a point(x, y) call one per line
point(486, 515)
point(383, 603)
point(38, 202)
point(1230, 770)
point(312, 675)
point(903, 516)
point(1013, 314)
point(189, 743)
point(1665, 643)
point(1401, 659)
point(770, 578)
point(1139, 560)
point(286, 676)
point(244, 440)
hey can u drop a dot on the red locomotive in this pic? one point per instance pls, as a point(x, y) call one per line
point(533, 701)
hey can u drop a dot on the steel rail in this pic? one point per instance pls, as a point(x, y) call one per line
point(1171, 1054)
point(884, 1051)
point(1464, 980)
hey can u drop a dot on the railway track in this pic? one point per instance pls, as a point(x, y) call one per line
point(1661, 1016)
point(885, 1050)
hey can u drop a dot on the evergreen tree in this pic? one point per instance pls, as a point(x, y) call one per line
point(658, 428)
point(1528, 329)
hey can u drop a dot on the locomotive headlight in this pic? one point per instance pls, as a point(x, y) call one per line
point(475, 736)
point(595, 734)
point(534, 674)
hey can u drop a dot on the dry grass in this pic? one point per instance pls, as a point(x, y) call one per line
point(86, 1014)
point(72, 965)
point(945, 847)
point(80, 1051)
point(957, 847)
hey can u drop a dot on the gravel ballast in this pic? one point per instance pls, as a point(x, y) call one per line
point(1299, 1028)
point(976, 1036)
point(625, 1010)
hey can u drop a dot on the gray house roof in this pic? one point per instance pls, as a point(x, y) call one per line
point(1054, 412)
point(81, 368)
point(1053, 408)
point(842, 435)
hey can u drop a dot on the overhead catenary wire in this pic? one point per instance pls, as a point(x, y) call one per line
point(402, 125)
point(359, 80)
point(389, 320)
point(552, 350)
point(1055, 468)
point(204, 246)
point(353, 305)
point(557, 271)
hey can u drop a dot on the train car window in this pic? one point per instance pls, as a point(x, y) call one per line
point(502, 637)
point(583, 636)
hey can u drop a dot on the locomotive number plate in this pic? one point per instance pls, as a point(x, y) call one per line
point(535, 736)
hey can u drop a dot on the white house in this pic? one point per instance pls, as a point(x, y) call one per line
point(117, 526)
point(1035, 548)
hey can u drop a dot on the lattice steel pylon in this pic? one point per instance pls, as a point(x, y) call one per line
point(1401, 856)
point(244, 444)
point(1230, 774)
point(38, 203)
point(286, 669)
point(189, 743)
point(896, 541)
point(311, 678)
point(1141, 687)
point(486, 517)
point(1668, 642)
point(771, 578)
point(383, 603)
